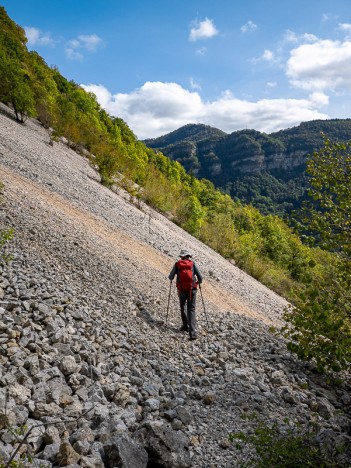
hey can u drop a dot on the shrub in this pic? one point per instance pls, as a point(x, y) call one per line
point(288, 447)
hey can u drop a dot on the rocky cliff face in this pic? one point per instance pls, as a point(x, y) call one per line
point(225, 159)
point(92, 367)
point(259, 162)
point(249, 151)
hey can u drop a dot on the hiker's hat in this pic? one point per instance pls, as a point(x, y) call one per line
point(184, 253)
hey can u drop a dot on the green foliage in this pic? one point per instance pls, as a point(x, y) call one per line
point(271, 194)
point(288, 447)
point(14, 77)
point(6, 235)
point(328, 215)
point(15, 87)
point(219, 233)
point(190, 132)
point(319, 326)
point(22, 462)
point(22, 101)
point(108, 159)
point(190, 213)
point(156, 193)
point(21, 459)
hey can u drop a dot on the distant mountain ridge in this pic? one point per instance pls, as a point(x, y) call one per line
point(267, 170)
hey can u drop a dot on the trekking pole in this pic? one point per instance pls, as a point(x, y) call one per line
point(169, 297)
point(203, 303)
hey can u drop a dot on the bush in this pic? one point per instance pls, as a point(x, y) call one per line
point(6, 236)
point(288, 447)
point(318, 326)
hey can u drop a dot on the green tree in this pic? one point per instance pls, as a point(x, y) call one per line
point(319, 326)
point(44, 89)
point(14, 76)
point(22, 101)
point(219, 233)
point(328, 216)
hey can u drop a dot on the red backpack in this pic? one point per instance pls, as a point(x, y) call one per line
point(185, 278)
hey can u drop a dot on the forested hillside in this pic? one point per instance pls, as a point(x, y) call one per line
point(267, 171)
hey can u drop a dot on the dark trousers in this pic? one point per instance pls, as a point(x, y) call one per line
point(188, 316)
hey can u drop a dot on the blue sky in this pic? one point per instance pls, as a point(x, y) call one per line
point(231, 64)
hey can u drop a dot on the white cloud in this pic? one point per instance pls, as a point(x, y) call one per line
point(345, 26)
point(250, 26)
point(319, 99)
point(346, 29)
point(292, 37)
point(157, 108)
point(268, 55)
point(90, 43)
point(307, 37)
point(202, 30)
point(279, 55)
point(323, 65)
point(271, 84)
point(72, 54)
point(74, 43)
point(194, 85)
point(76, 46)
point(36, 37)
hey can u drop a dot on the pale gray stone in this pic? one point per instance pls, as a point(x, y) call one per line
point(325, 408)
point(122, 451)
point(153, 404)
point(167, 446)
point(68, 365)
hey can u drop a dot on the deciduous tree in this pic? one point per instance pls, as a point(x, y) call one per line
point(319, 326)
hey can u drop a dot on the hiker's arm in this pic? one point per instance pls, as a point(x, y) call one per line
point(198, 274)
point(173, 272)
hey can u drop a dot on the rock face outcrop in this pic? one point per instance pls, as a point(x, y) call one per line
point(89, 369)
point(197, 146)
point(267, 171)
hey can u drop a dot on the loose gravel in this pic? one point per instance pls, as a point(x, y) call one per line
point(86, 351)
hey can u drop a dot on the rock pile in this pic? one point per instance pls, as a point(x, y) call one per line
point(89, 370)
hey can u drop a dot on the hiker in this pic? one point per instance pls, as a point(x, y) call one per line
point(186, 271)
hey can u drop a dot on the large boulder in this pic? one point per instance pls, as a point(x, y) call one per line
point(121, 451)
point(167, 448)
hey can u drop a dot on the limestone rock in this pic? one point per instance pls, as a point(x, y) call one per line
point(123, 452)
point(67, 455)
point(166, 446)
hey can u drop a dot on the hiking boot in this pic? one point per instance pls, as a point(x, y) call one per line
point(184, 328)
point(193, 336)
